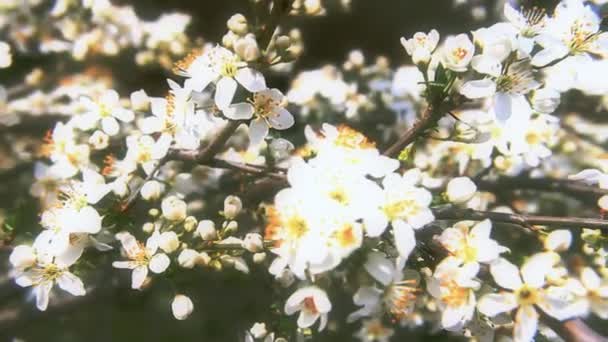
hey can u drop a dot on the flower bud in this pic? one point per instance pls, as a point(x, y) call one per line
point(232, 206)
point(258, 330)
point(247, 48)
point(259, 258)
point(140, 100)
point(153, 212)
point(148, 227)
point(204, 258)
point(188, 258)
point(230, 227)
point(99, 140)
point(603, 202)
point(282, 42)
point(460, 189)
point(253, 242)
point(168, 242)
point(173, 208)
point(237, 24)
point(182, 307)
point(22, 257)
point(151, 190)
point(190, 223)
point(206, 230)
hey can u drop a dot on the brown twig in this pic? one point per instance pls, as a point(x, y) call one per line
point(426, 121)
point(575, 189)
point(451, 213)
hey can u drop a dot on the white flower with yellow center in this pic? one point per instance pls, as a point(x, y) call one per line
point(64, 226)
point(591, 293)
point(220, 65)
point(574, 29)
point(457, 52)
point(527, 291)
point(45, 272)
point(402, 204)
point(298, 230)
point(421, 46)
point(453, 285)
point(397, 294)
point(507, 89)
point(470, 242)
point(528, 23)
point(174, 116)
point(268, 107)
point(107, 109)
point(312, 302)
point(141, 257)
point(145, 151)
point(352, 151)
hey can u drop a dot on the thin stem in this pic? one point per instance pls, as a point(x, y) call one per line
point(528, 221)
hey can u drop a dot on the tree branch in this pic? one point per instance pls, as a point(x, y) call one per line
point(426, 121)
point(529, 221)
point(575, 189)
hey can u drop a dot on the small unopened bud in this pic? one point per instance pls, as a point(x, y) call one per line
point(228, 39)
point(253, 242)
point(460, 189)
point(603, 202)
point(258, 330)
point(148, 227)
point(227, 260)
point(247, 48)
point(283, 42)
point(231, 227)
point(173, 208)
point(204, 258)
point(22, 257)
point(232, 206)
point(259, 258)
point(206, 230)
point(168, 242)
point(188, 258)
point(153, 212)
point(237, 24)
point(140, 100)
point(182, 307)
point(151, 190)
point(190, 223)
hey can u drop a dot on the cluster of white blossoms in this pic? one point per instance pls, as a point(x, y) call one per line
point(98, 27)
point(423, 226)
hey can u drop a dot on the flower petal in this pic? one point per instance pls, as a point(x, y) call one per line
point(526, 323)
point(505, 274)
point(258, 130)
point(282, 119)
point(71, 283)
point(224, 92)
point(251, 79)
point(239, 111)
point(495, 303)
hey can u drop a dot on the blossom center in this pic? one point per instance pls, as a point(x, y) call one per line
point(527, 295)
point(309, 305)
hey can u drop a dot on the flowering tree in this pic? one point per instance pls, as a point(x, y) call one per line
point(464, 192)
